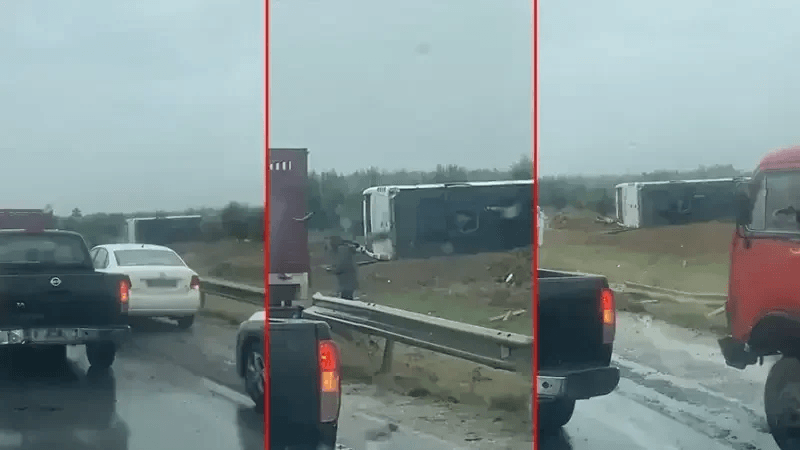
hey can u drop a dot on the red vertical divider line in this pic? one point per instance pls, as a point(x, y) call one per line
point(536, 231)
point(266, 226)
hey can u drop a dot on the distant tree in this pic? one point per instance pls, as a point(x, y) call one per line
point(76, 213)
point(522, 169)
point(234, 221)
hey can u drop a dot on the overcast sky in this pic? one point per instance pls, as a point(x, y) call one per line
point(125, 106)
point(406, 84)
point(642, 85)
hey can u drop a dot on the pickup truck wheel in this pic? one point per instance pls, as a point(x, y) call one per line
point(184, 323)
point(327, 436)
point(782, 402)
point(101, 354)
point(254, 374)
point(555, 414)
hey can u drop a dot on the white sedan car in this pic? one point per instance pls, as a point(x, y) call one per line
point(162, 285)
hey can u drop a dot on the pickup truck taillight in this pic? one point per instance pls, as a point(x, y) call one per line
point(124, 294)
point(330, 381)
point(609, 315)
point(195, 282)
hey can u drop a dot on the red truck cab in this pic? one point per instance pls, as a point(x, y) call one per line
point(763, 306)
point(289, 257)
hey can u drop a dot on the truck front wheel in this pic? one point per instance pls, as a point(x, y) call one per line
point(782, 402)
point(555, 414)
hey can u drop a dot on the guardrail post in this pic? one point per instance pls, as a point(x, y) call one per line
point(388, 357)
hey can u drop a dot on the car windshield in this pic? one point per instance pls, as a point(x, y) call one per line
point(147, 257)
point(50, 249)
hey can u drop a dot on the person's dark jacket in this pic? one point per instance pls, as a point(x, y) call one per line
point(345, 269)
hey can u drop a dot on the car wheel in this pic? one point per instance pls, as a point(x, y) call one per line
point(255, 374)
point(184, 323)
point(554, 414)
point(101, 354)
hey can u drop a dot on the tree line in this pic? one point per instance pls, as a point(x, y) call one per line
point(335, 198)
point(596, 193)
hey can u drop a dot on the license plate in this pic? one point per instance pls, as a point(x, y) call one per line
point(161, 283)
point(50, 333)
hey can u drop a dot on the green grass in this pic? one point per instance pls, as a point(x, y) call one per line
point(701, 274)
point(466, 309)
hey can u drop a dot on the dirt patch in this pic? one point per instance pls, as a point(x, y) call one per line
point(420, 373)
point(690, 258)
point(692, 316)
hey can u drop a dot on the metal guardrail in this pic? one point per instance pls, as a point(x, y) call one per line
point(493, 348)
point(227, 289)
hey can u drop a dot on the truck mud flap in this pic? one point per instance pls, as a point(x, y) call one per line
point(577, 385)
point(735, 353)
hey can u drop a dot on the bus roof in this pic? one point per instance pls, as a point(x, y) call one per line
point(406, 187)
point(652, 183)
point(196, 216)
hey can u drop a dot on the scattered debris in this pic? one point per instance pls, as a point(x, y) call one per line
point(508, 314)
point(477, 376)
point(605, 220)
point(472, 437)
point(651, 300)
point(716, 312)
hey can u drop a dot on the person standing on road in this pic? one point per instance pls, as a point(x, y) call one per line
point(344, 268)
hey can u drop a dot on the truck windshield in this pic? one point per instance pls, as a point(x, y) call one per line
point(147, 257)
point(782, 199)
point(47, 249)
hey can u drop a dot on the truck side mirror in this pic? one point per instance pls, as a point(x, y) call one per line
point(743, 208)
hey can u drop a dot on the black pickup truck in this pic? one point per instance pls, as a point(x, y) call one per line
point(51, 296)
point(305, 390)
point(576, 330)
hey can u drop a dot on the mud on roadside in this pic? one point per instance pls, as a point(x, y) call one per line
point(424, 374)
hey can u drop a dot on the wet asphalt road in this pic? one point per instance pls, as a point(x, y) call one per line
point(177, 389)
point(140, 404)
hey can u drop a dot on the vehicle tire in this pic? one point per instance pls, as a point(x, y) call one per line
point(254, 374)
point(101, 354)
point(184, 323)
point(782, 402)
point(322, 437)
point(327, 436)
point(554, 414)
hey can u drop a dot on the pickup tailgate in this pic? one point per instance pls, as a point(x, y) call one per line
point(294, 373)
point(570, 334)
point(80, 298)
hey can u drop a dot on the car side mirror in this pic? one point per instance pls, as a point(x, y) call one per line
point(743, 208)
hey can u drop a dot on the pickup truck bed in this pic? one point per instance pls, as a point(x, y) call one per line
point(300, 413)
point(575, 341)
point(50, 295)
